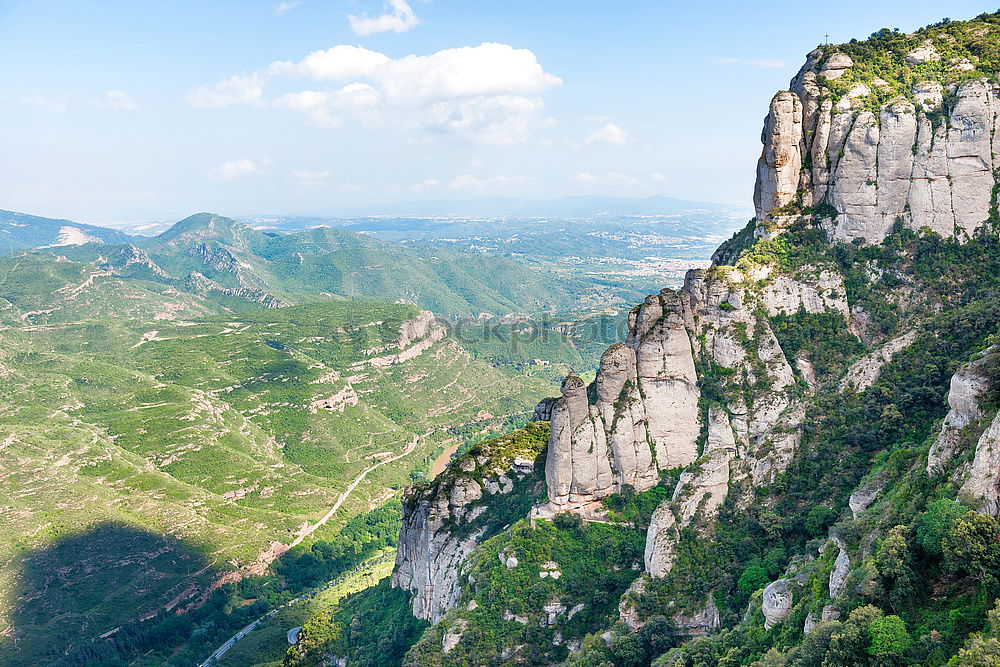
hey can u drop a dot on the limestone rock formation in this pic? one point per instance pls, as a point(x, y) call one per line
point(838, 576)
point(864, 496)
point(863, 373)
point(776, 602)
point(443, 521)
point(983, 483)
point(645, 418)
point(701, 622)
point(645, 415)
point(967, 385)
point(430, 555)
point(876, 168)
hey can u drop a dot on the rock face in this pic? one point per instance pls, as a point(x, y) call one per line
point(700, 622)
point(984, 479)
point(967, 385)
point(430, 555)
point(876, 168)
point(777, 602)
point(645, 418)
point(863, 373)
point(838, 576)
point(445, 520)
point(645, 412)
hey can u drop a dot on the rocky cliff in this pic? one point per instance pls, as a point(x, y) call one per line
point(873, 146)
point(815, 396)
point(479, 494)
point(845, 152)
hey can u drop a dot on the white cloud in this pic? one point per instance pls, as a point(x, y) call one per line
point(767, 63)
point(399, 17)
point(234, 90)
point(311, 179)
point(117, 100)
point(612, 177)
point(470, 182)
point(334, 64)
point(234, 170)
point(608, 134)
point(315, 105)
point(657, 177)
point(424, 185)
point(489, 92)
point(46, 103)
point(285, 7)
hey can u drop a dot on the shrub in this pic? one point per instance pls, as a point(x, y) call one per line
point(888, 635)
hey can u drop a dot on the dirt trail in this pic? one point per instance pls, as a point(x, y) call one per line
point(347, 492)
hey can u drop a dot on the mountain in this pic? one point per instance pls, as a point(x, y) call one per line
point(579, 206)
point(210, 256)
point(19, 231)
point(791, 460)
point(210, 227)
point(159, 451)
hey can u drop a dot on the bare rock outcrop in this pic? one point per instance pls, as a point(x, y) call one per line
point(875, 169)
point(967, 385)
point(983, 483)
point(838, 576)
point(776, 602)
point(863, 373)
point(444, 520)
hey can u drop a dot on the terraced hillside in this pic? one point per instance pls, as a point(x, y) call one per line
point(153, 446)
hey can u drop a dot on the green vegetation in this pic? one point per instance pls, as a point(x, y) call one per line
point(164, 637)
point(373, 628)
point(823, 338)
point(126, 401)
point(880, 61)
point(502, 608)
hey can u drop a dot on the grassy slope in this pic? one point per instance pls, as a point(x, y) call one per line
point(200, 430)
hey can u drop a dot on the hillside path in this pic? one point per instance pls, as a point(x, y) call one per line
point(350, 488)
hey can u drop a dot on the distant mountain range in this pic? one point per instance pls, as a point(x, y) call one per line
point(19, 231)
point(580, 206)
point(229, 263)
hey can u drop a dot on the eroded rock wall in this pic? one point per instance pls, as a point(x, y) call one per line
point(444, 520)
point(915, 159)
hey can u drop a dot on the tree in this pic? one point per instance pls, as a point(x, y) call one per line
point(894, 563)
point(971, 546)
point(979, 651)
point(627, 651)
point(849, 645)
point(814, 645)
point(818, 520)
point(888, 636)
point(934, 523)
point(658, 636)
point(568, 521)
point(754, 578)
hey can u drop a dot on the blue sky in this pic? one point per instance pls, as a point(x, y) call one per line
point(122, 111)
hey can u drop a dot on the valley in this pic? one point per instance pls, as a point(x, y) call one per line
point(592, 430)
point(167, 406)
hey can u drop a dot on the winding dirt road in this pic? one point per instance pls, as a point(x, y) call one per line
point(350, 487)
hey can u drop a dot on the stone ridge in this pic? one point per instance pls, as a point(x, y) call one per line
point(645, 419)
point(444, 520)
point(910, 150)
point(650, 414)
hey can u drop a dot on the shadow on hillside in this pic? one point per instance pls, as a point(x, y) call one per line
point(68, 594)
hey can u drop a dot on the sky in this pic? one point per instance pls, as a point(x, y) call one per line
point(123, 111)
